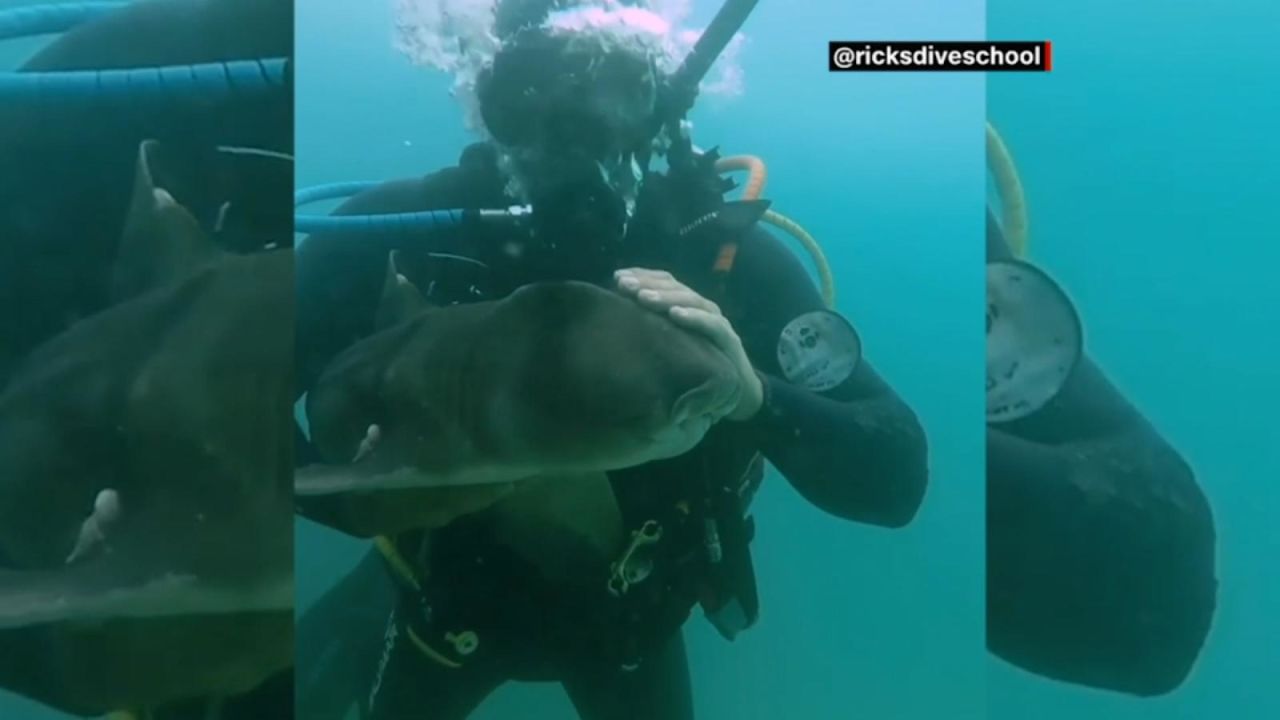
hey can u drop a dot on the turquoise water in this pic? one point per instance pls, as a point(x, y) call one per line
point(1151, 165)
point(1152, 196)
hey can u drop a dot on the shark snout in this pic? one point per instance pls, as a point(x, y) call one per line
point(710, 401)
point(692, 415)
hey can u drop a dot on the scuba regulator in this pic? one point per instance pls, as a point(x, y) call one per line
point(580, 124)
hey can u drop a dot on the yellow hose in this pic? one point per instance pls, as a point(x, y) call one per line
point(790, 227)
point(399, 565)
point(1013, 203)
point(756, 175)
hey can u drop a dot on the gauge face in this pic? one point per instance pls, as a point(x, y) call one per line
point(1034, 340)
point(818, 350)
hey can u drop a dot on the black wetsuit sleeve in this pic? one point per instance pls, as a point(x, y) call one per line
point(1100, 544)
point(856, 450)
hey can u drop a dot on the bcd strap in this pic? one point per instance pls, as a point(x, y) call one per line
point(730, 598)
point(728, 224)
point(703, 547)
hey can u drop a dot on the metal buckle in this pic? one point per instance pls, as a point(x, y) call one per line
point(464, 643)
point(629, 569)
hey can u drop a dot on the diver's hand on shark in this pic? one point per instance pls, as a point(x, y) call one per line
point(717, 328)
point(660, 291)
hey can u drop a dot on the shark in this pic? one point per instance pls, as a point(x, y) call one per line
point(146, 458)
point(517, 404)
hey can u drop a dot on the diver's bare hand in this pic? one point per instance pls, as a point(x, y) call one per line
point(659, 291)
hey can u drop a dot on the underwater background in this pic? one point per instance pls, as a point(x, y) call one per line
point(1151, 167)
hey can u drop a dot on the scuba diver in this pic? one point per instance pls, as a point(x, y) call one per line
point(430, 626)
point(1100, 543)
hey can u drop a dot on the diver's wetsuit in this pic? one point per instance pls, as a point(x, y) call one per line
point(1100, 545)
point(856, 451)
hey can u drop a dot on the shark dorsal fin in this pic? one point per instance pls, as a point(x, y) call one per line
point(162, 241)
point(401, 299)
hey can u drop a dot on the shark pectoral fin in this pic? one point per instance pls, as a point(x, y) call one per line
point(47, 596)
point(350, 500)
point(110, 590)
point(375, 474)
point(319, 480)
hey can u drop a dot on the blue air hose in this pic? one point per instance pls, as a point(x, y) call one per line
point(36, 20)
point(388, 224)
point(404, 223)
point(178, 82)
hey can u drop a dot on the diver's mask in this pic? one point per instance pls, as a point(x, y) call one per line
point(569, 115)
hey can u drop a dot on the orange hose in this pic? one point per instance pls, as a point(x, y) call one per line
point(754, 167)
point(756, 174)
